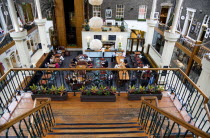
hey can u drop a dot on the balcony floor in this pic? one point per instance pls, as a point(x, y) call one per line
point(74, 111)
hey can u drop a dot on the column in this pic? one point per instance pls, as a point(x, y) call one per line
point(41, 27)
point(13, 15)
point(150, 33)
point(19, 37)
point(170, 40)
point(151, 23)
point(204, 79)
point(20, 42)
point(2, 20)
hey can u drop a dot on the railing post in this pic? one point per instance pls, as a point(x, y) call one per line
point(191, 60)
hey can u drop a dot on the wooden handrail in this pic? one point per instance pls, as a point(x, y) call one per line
point(17, 119)
point(66, 69)
point(179, 121)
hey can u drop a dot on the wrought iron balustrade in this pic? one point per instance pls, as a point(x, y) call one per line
point(35, 123)
point(192, 99)
point(160, 124)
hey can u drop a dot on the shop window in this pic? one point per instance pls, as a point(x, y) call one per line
point(188, 21)
point(27, 12)
point(97, 10)
point(142, 12)
point(119, 11)
point(203, 28)
point(165, 14)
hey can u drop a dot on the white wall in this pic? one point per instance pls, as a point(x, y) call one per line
point(47, 26)
point(91, 34)
point(155, 55)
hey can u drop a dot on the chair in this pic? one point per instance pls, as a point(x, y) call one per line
point(77, 86)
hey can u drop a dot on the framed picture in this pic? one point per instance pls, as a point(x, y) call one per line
point(108, 13)
point(156, 15)
point(112, 37)
point(97, 37)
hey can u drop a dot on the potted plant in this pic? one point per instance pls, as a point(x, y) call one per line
point(34, 88)
point(95, 94)
point(56, 94)
point(150, 90)
point(86, 26)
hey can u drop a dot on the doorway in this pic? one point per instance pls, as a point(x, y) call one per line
point(69, 13)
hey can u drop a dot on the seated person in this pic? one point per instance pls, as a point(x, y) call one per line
point(106, 64)
point(57, 65)
point(73, 80)
point(89, 59)
point(116, 66)
point(127, 65)
point(74, 60)
point(61, 58)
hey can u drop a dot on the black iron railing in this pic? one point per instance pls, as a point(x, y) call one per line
point(159, 123)
point(35, 123)
point(183, 89)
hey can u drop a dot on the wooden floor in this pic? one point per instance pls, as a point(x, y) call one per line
point(74, 111)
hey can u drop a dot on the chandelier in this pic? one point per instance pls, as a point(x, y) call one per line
point(95, 2)
point(96, 22)
point(95, 44)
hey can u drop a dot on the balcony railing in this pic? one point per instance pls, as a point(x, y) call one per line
point(35, 123)
point(191, 98)
point(159, 123)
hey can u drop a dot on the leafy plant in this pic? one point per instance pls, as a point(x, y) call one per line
point(113, 89)
point(159, 89)
point(132, 89)
point(94, 89)
point(61, 89)
point(33, 88)
point(142, 89)
point(151, 88)
point(54, 89)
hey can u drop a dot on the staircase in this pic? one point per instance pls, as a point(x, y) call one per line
point(122, 129)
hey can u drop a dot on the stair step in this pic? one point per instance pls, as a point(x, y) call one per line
point(95, 133)
point(131, 135)
point(121, 127)
point(95, 123)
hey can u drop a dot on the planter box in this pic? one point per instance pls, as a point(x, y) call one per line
point(64, 97)
point(95, 98)
point(138, 96)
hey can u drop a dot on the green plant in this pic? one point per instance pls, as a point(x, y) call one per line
point(113, 89)
point(54, 89)
point(151, 88)
point(94, 89)
point(132, 89)
point(82, 89)
point(33, 88)
point(142, 89)
point(61, 89)
point(159, 89)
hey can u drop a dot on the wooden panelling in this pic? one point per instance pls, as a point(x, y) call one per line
point(79, 14)
point(6, 47)
point(60, 22)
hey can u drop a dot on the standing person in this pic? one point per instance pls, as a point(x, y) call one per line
point(102, 50)
point(113, 56)
point(133, 80)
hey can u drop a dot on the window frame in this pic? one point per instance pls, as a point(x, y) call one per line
point(96, 10)
point(142, 13)
point(120, 9)
point(186, 30)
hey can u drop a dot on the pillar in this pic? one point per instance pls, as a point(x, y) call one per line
point(20, 42)
point(17, 61)
point(41, 27)
point(42, 34)
point(204, 79)
point(150, 33)
point(151, 23)
point(170, 40)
